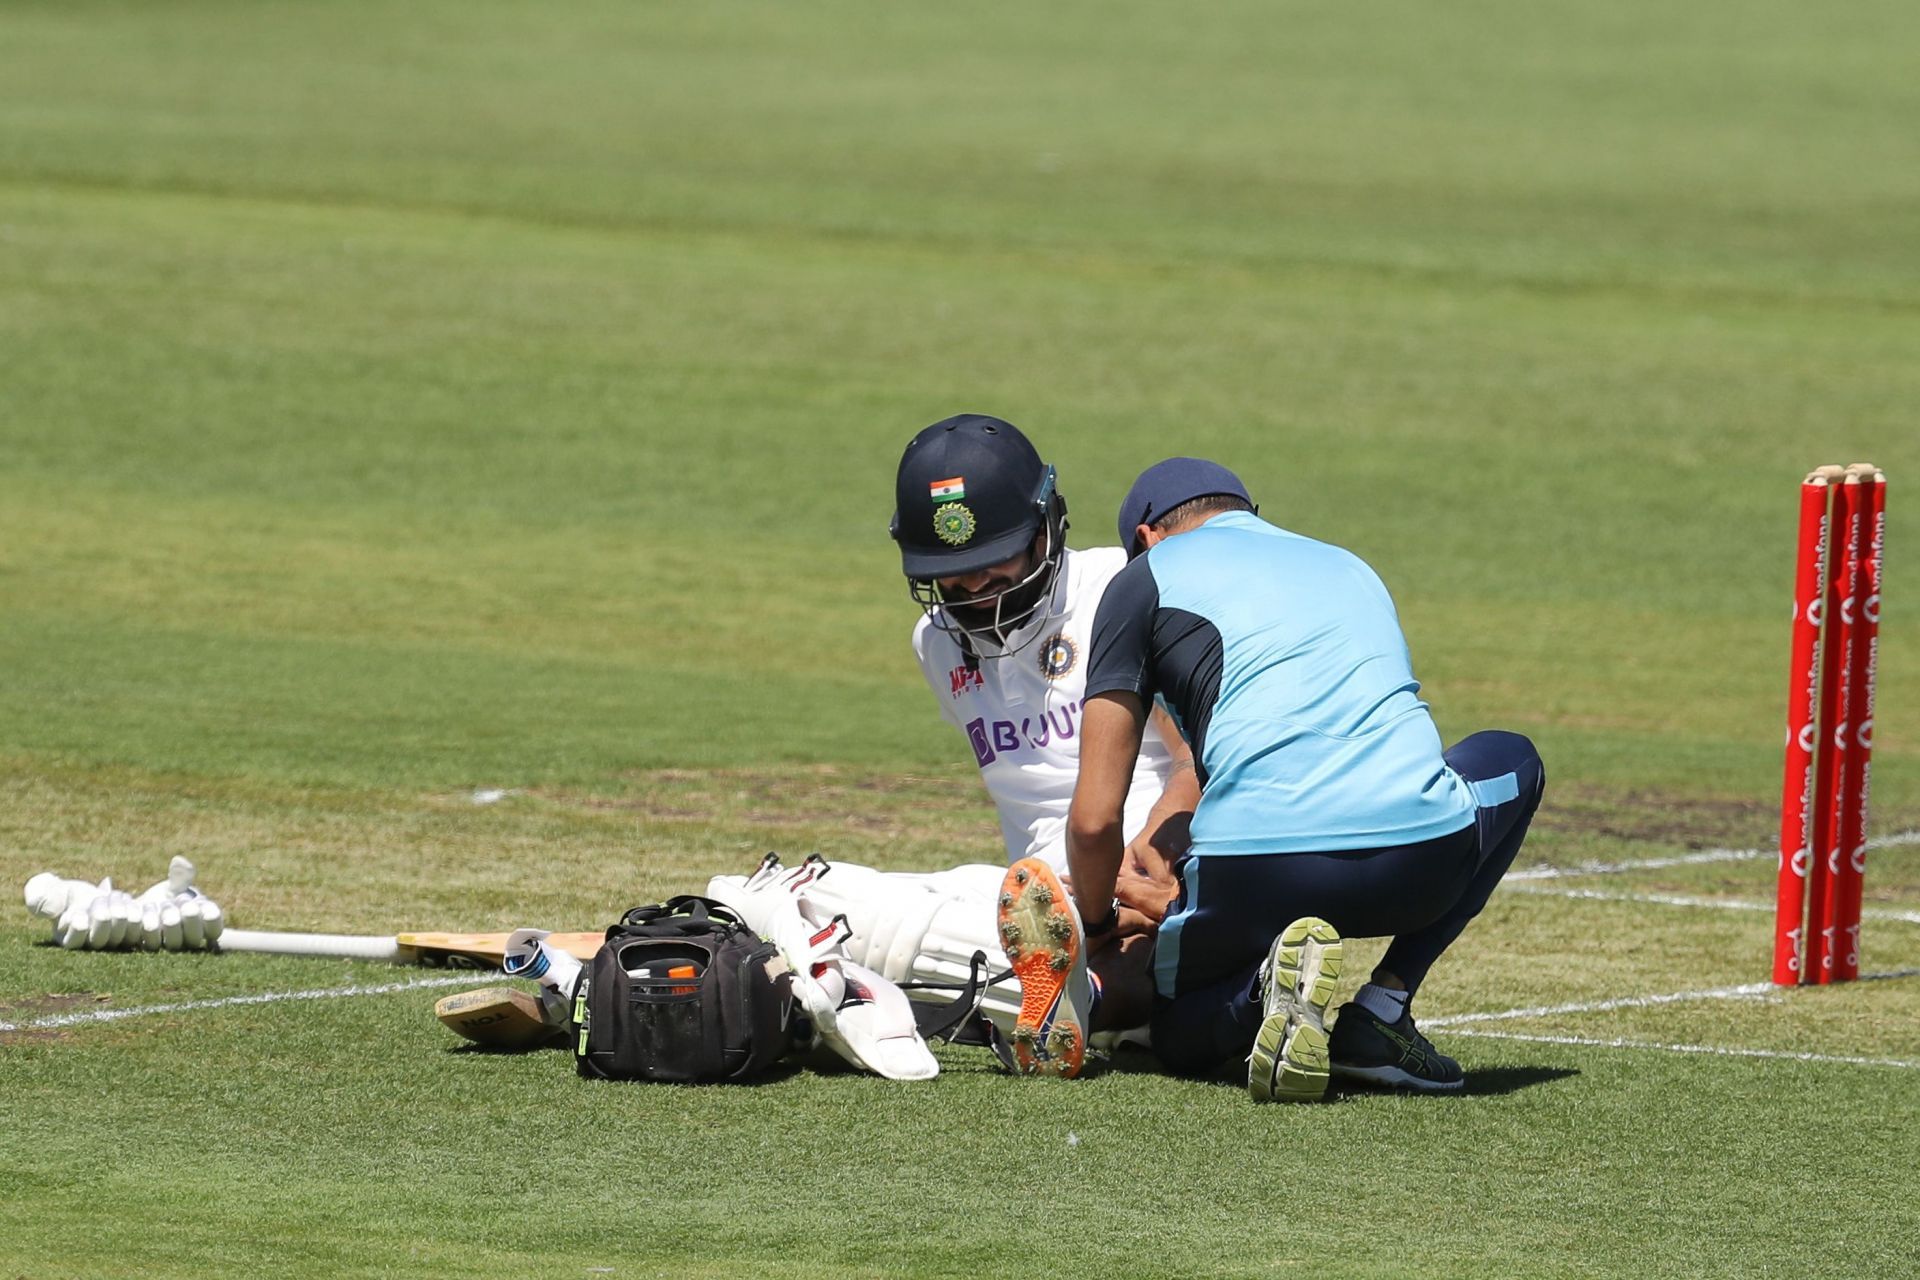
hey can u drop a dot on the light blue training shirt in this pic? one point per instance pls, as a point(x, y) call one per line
point(1283, 661)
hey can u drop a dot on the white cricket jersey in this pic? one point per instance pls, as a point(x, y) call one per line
point(1021, 713)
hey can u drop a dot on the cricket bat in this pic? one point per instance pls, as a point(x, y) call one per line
point(438, 950)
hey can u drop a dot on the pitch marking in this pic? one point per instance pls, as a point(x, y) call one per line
point(1895, 840)
point(1746, 990)
point(191, 1006)
point(1709, 1049)
point(1743, 991)
point(1682, 900)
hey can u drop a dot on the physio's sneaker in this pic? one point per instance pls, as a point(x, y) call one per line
point(1048, 951)
point(1289, 1058)
point(1392, 1055)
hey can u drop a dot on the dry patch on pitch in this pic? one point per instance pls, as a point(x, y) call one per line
point(34, 1008)
point(883, 819)
point(355, 861)
point(1582, 819)
point(367, 861)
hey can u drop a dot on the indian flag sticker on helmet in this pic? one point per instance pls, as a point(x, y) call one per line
point(951, 490)
point(953, 521)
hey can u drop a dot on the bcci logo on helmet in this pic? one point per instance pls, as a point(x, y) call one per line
point(1057, 656)
point(954, 523)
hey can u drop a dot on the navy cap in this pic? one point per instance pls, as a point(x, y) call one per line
point(1165, 485)
point(971, 492)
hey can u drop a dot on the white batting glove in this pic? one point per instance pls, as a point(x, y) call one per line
point(171, 916)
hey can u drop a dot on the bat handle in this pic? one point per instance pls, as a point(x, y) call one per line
point(343, 945)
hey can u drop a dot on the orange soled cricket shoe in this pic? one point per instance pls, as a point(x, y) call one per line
point(1048, 952)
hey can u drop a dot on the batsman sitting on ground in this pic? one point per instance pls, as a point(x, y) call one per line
point(1007, 616)
point(1326, 799)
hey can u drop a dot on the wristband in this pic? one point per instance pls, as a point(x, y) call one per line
point(1106, 924)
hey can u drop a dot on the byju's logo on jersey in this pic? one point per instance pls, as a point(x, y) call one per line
point(994, 739)
point(1057, 656)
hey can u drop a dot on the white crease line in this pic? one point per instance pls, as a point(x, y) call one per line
point(1743, 991)
point(1894, 840)
point(1714, 1050)
point(270, 997)
point(1644, 864)
point(1682, 900)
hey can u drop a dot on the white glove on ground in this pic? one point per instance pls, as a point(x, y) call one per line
point(170, 916)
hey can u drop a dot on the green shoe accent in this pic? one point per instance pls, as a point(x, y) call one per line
point(1390, 1055)
point(1289, 1062)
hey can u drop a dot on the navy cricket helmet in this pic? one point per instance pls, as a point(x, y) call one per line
point(972, 493)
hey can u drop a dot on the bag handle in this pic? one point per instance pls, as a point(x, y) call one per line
point(685, 913)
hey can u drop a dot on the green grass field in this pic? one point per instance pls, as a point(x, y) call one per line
point(397, 401)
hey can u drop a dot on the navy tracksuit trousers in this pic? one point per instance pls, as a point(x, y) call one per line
point(1422, 896)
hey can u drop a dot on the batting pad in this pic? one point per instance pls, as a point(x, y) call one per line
point(856, 1012)
point(907, 926)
